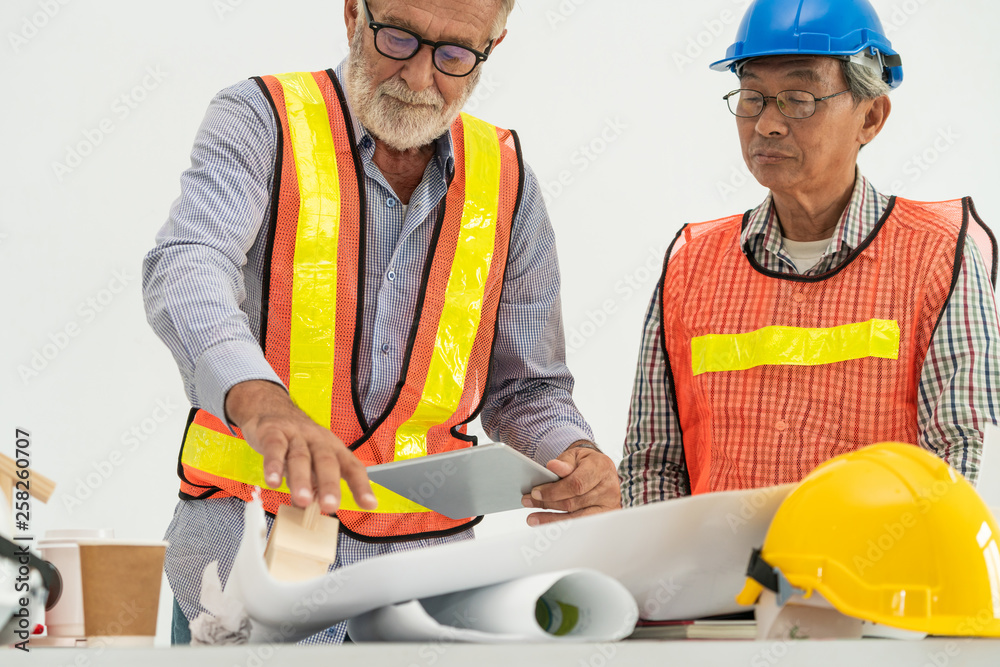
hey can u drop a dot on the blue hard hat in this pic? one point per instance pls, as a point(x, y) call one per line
point(836, 28)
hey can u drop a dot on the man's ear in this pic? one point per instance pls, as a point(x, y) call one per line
point(499, 39)
point(351, 18)
point(874, 119)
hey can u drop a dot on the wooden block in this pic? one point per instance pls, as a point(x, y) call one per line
point(8, 478)
point(39, 486)
point(303, 543)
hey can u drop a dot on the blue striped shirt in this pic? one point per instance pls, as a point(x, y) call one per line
point(202, 287)
point(956, 393)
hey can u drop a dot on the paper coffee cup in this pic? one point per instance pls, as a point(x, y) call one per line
point(111, 588)
point(121, 587)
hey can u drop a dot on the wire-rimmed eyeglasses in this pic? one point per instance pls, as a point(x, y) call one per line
point(402, 44)
point(747, 103)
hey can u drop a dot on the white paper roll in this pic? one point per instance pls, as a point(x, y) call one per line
point(567, 606)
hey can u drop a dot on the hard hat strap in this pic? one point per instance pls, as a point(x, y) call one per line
point(876, 60)
point(771, 578)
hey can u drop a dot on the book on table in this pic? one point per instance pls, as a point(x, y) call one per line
point(729, 626)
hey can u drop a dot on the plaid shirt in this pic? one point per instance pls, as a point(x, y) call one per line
point(202, 287)
point(957, 390)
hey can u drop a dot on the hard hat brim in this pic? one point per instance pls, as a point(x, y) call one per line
point(730, 61)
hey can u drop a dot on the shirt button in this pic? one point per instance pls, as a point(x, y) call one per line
point(390, 202)
point(391, 276)
point(385, 348)
point(781, 425)
point(798, 297)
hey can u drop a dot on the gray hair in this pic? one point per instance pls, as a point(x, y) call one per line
point(506, 7)
point(499, 23)
point(865, 83)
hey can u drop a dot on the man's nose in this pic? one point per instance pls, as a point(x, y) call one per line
point(418, 71)
point(771, 121)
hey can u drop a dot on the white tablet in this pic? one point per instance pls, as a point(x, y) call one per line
point(466, 482)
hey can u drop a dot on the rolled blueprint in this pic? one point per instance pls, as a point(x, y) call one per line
point(668, 577)
point(567, 606)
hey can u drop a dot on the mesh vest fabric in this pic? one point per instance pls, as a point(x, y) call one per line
point(807, 368)
point(446, 366)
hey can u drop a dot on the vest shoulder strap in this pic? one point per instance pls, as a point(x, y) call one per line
point(507, 138)
point(694, 230)
point(960, 215)
point(985, 240)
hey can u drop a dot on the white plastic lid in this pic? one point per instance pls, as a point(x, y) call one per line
point(73, 535)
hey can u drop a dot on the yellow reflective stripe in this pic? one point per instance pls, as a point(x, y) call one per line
point(312, 338)
point(794, 346)
point(223, 455)
point(466, 290)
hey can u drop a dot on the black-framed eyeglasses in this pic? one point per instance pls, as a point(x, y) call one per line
point(747, 103)
point(402, 44)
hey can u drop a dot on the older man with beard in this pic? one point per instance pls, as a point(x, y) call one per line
point(353, 272)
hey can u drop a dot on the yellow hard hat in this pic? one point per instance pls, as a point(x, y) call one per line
point(889, 534)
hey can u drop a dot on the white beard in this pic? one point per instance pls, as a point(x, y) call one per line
point(387, 110)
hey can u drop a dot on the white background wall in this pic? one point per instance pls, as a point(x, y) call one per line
point(618, 114)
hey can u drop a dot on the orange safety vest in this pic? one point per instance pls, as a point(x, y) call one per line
point(312, 308)
point(775, 373)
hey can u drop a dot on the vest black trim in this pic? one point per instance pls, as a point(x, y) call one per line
point(795, 278)
point(666, 356)
point(272, 222)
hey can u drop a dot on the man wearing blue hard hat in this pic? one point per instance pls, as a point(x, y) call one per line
point(830, 317)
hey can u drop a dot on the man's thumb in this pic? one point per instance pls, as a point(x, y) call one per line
point(560, 467)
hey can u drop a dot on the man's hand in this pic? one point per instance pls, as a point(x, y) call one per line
point(295, 447)
point(589, 485)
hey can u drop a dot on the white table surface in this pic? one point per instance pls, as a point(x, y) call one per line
point(856, 653)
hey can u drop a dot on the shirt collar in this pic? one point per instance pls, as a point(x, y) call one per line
point(859, 218)
point(444, 148)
